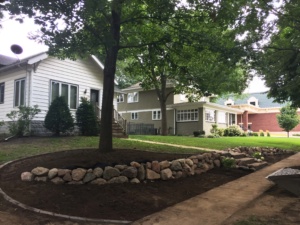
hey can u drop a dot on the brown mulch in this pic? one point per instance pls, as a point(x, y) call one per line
point(111, 201)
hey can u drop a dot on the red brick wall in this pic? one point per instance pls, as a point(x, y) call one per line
point(265, 121)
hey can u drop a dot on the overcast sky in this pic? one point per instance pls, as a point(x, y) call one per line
point(13, 32)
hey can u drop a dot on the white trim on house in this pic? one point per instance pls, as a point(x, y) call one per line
point(142, 110)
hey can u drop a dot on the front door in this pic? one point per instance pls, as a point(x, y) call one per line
point(95, 100)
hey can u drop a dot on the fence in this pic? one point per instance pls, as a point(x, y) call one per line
point(141, 129)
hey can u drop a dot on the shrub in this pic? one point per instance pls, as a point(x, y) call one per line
point(86, 118)
point(196, 133)
point(21, 120)
point(232, 131)
point(59, 119)
point(258, 155)
point(268, 134)
point(243, 135)
point(202, 132)
point(255, 134)
point(261, 134)
point(228, 162)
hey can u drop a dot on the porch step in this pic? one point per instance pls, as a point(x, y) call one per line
point(245, 161)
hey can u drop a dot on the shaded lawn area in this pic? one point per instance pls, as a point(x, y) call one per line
point(226, 142)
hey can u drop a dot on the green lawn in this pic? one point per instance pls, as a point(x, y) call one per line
point(226, 142)
point(24, 147)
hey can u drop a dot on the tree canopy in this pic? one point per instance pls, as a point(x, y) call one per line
point(288, 118)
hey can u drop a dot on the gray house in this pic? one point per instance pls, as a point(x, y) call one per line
point(141, 108)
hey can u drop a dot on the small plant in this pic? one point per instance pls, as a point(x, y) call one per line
point(196, 133)
point(243, 135)
point(233, 131)
point(255, 134)
point(262, 134)
point(258, 155)
point(268, 134)
point(21, 120)
point(59, 118)
point(228, 162)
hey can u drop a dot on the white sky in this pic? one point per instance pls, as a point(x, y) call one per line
point(13, 32)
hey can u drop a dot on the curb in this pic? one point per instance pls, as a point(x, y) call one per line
point(36, 210)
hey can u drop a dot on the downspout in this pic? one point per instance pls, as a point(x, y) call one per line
point(174, 122)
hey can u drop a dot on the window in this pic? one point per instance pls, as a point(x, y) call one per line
point(253, 101)
point(221, 117)
point(231, 119)
point(187, 115)
point(2, 93)
point(120, 98)
point(133, 97)
point(19, 93)
point(68, 91)
point(210, 115)
point(229, 102)
point(156, 115)
point(134, 116)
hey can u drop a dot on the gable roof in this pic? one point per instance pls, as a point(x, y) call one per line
point(263, 100)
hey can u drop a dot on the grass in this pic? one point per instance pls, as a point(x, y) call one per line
point(253, 220)
point(24, 147)
point(226, 142)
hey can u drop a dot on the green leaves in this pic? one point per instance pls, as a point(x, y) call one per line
point(288, 118)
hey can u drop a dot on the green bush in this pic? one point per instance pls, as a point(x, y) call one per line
point(86, 118)
point(59, 119)
point(258, 155)
point(255, 134)
point(228, 162)
point(261, 134)
point(232, 131)
point(268, 134)
point(243, 135)
point(21, 120)
point(196, 133)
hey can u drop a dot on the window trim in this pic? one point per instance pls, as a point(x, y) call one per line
point(20, 92)
point(69, 92)
point(2, 96)
point(133, 97)
point(134, 116)
point(118, 99)
point(156, 114)
point(182, 113)
point(213, 120)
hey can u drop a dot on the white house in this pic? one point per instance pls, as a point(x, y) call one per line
point(38, 79)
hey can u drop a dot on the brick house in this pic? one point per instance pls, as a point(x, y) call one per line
point(258, 112)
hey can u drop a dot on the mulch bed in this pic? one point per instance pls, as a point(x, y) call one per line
point(111, 201)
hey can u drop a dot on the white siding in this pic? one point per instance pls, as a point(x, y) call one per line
point(84, 73)
point(9, 78)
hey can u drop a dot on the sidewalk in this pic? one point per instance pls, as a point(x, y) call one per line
point(215, 206)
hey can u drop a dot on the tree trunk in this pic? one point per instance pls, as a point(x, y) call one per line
point(164, 125)
point(105, 143)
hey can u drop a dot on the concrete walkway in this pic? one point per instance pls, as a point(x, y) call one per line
point(174, 145)
point(217, 205)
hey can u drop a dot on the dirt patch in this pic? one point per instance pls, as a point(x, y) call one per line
point(113, 201)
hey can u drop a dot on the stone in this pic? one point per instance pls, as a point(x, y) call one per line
point(164, 164)
point(52, 173)
point(195, 161)
point(130, 172)
point(166, 174)
point(40, 171)
point(75, 182)
point(189, 162)
point(78, 174)
point(135, 181)
point(198, 171)
point(151, 175)
point(41, 179)
point(176, 165)
point(27, 176)
point(245, 161)
point(237, 155)
point(178, 174)
point(155, 166)
point(67, 177)
point(99, 181)
point(89, 170)
point(141, 175)
point(149, 164)
point(217, 163)
point(57, 180)
point(121, 167)
point(98, 172)
point(118, 180)
point(110, 172)
point(62, 172)
point(135, 164)
point(258, 165)
point(89, 177)
point(200, 157)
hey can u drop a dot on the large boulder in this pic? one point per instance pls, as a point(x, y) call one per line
point(40, 171)
point(52, 173)
point(166, 174)
point(78, 174)
point(151, 175)
point(130, 172)
point(27, 176)
point(118, 180)
point(110, 172)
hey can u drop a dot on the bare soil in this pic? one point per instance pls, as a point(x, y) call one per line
point(111, 201)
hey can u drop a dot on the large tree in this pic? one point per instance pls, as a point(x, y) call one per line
point(76, 28)
point(279, 60)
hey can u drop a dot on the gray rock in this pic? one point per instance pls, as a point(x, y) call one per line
point(135, 181)
point(98, 172)
point(141, 173)
point(135, 164)
point(57, 180)
point(155, 166)
point(121, 167)
point(27, 176)
point(189, 162)
point(40, 171)
point(99, 181)
point(176, 165)
point(178, 174)
point(78, 174)
point(110, 172)
point(166, 174)
point(52, 173)
point(198, 171)
point(130, 172)
point(67, 177)
point(164, 164)
point(89, 177)
point(41, 179)
point(217, 163)
point(118, 180)
point(62, 172)
point(151, 175)
point(149, 164)
point(75, 182)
